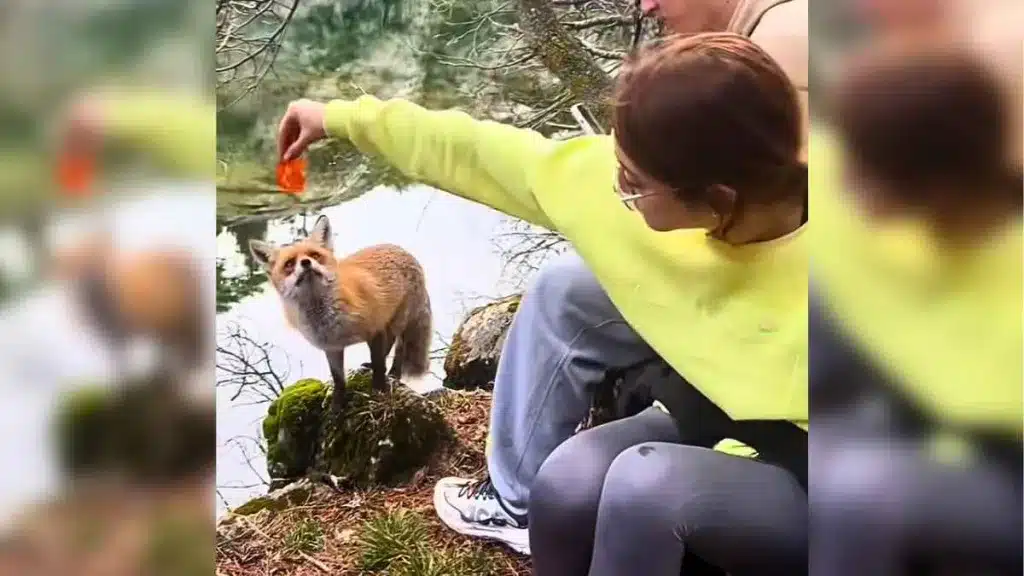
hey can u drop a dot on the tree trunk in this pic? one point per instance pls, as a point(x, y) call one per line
point(564, 56)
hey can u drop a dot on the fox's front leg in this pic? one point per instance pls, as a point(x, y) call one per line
point(336, 361)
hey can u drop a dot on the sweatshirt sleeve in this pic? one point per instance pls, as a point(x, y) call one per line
point(483, 161)
point(178, 132)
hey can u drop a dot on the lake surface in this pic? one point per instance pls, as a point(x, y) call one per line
point(48, 351)
point(455, 241)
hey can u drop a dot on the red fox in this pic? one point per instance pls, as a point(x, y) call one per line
point(377, 295)
point(153, 294)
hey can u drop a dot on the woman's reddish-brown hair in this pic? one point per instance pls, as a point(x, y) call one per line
point(933, 123)
point(712, 109)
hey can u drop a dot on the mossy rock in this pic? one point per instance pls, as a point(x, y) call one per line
point(292, 428)
point(472, 359)
point(381, 439)
point(83, 430)
point(161, 434)
point(294, 494)
point(142, 429)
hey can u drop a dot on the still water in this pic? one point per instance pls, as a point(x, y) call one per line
point(455, 241)
point(48, 351)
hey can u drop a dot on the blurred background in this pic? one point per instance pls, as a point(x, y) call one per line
point(916, 287)
point(107, 203)
point(109, 281)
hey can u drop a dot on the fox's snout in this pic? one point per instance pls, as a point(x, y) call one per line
point(308, 274)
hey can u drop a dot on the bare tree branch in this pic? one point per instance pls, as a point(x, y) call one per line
point(524, 249)
point(245, 364)
point(249, 34)
point(609, 19)
point(599, 52)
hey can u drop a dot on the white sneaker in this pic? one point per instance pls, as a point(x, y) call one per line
point(474, 508)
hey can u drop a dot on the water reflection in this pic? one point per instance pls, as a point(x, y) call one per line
point(454, 240)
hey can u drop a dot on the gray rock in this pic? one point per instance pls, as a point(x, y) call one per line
point(472, 359)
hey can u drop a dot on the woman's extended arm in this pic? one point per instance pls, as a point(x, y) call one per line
point(178, 131)
point(487, 162)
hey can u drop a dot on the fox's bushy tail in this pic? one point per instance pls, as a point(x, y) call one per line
point(416, 340)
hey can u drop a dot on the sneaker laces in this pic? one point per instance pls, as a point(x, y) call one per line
point(479, 490)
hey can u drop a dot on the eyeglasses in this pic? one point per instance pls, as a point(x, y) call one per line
point(629, 197)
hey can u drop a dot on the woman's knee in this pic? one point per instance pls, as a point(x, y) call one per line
point(567, 488)
point(637, 480)
point(857, 490)
point(709, 500)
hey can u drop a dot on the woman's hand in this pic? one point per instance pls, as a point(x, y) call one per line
point(303, 124)
point(80, 129)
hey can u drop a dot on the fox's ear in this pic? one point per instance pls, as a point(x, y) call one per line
point(264, 252)
point(321, 233)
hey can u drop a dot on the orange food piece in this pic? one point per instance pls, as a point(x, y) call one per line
point(76, 174)
point(291, 175)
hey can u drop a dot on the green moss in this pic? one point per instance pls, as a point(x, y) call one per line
point(455, 349)
point(259, 504)
point(359, 381)
point(83, 429)
point(292, 427)
point(159, 434)
point(513, 306)
point(294, 494)
point(140, 428)
point(381, 438)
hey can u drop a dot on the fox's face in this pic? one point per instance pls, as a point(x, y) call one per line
point(302, 269)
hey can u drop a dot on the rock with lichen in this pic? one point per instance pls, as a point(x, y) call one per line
point(379, 439)
point(82, 430)
point(292, 494)
point(139, 429)
point(292, 428)
point(472, 359)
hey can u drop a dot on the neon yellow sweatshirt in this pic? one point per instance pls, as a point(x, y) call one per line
point(945, 325)
point(179, 131)
point(733, 320)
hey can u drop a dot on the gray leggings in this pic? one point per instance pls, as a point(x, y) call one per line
point(882, 506)
point(624, 498)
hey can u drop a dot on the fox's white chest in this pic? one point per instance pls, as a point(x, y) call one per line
point(325, 327)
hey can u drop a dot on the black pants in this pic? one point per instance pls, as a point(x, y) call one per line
point(625, 498)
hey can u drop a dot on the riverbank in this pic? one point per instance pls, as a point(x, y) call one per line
point(390, 531)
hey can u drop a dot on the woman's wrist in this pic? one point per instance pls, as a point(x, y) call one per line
point(336, 117)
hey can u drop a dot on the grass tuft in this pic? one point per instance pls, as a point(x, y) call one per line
point(398, 544)
point(306, 536)
point(390, 538)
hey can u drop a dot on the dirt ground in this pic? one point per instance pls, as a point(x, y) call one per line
point(382, 531)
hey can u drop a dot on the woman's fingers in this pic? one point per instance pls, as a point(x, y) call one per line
point(288, 133)
point(302, 124)
point(81, 127)
point(299, 146)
